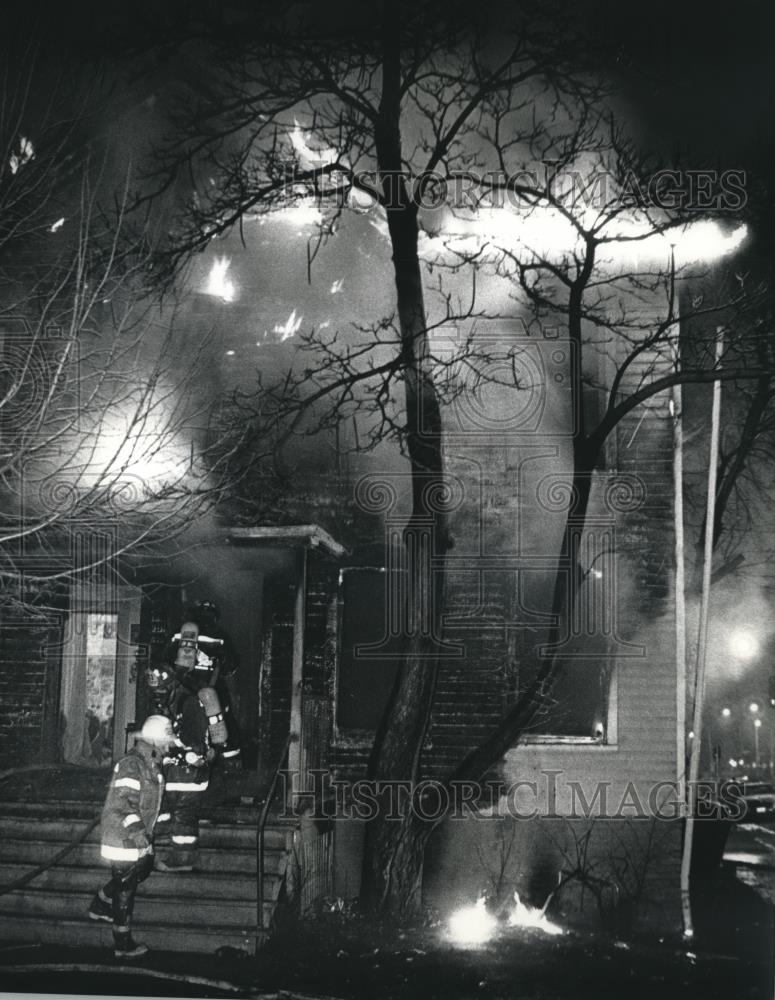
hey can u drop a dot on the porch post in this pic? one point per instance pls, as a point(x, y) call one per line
point(297, 669)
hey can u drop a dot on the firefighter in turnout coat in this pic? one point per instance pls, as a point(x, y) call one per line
point(212, 661)
point(185, 687)
point(128, 820)
point(187, 777)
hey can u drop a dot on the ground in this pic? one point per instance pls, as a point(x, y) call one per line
point(343, 956)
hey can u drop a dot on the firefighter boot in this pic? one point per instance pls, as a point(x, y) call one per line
point(232, 761)
point(125, 887)
point(101, 907)
point(124, 946)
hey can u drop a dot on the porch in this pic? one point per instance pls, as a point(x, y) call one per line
point(49, 828)
point(255, 854)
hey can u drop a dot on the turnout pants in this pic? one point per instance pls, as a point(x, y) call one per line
point(121, 890)
point(232, 751)
point(178, 823)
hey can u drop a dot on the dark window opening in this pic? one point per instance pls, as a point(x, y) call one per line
point(365, 680)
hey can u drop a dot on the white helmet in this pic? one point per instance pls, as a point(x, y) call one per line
point(157, 729)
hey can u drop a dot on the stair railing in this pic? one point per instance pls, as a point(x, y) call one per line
point(260, 837)
point(23, 880)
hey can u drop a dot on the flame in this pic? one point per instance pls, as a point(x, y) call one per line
point(218, 284)
point(472, 925)
point(315, 158)
point(696, 242)
point(305, 212)
point(124, 449)
point(25, 154)
point(529, 916)
point(290, 327)
point(547, 233)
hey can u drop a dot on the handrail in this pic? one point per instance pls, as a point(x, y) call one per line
point(262, 820)
point(23, 880)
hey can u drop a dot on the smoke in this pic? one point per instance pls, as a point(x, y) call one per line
point(740, 633)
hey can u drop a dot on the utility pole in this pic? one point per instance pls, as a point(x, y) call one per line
point(699, 689)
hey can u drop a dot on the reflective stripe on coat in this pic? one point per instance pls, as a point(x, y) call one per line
point(131, 806)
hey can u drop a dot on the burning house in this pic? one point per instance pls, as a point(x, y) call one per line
point(582, 810)
point(441, 535)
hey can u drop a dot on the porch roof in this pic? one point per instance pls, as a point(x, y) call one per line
point(292, 535)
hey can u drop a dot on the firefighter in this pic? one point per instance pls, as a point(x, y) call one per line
point(211, 664)
point(128, 819)
point(185, 687)
point(186, 769)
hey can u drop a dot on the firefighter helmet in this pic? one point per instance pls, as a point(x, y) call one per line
point(208, 609)
point(157, 729)
point(159, 679)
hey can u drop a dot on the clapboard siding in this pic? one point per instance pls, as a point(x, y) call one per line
point(644, 752)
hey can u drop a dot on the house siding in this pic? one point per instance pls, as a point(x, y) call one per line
point(30, 659)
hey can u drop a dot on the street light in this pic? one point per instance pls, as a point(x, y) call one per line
point(757, 724)
point(753, 707)
point(743, 644)
point(724, 735)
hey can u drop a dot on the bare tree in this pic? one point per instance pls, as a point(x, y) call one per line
point(389, 102)
point(746, 448)
point(613, 280)
point(295, 106)
point(97, 398)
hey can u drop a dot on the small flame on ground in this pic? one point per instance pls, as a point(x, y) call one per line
point(529, 916)
point(472, 925)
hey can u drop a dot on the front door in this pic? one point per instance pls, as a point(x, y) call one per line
point(89, 688)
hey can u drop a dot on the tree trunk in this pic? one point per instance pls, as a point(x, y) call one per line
point(393, 850)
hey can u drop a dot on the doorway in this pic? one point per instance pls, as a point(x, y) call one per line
point(87, 705)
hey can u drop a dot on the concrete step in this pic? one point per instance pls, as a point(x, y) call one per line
point(181, 938)
point(184, 885)
point(201, 911)
point(62, 831)
point(32, 853)
point(222, 812)
point(42, 810)
point(155, 909)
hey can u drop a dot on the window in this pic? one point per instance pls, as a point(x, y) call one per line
point(365, 678)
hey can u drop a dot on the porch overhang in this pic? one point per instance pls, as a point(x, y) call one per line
point(307, 536)
point(301, 538)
